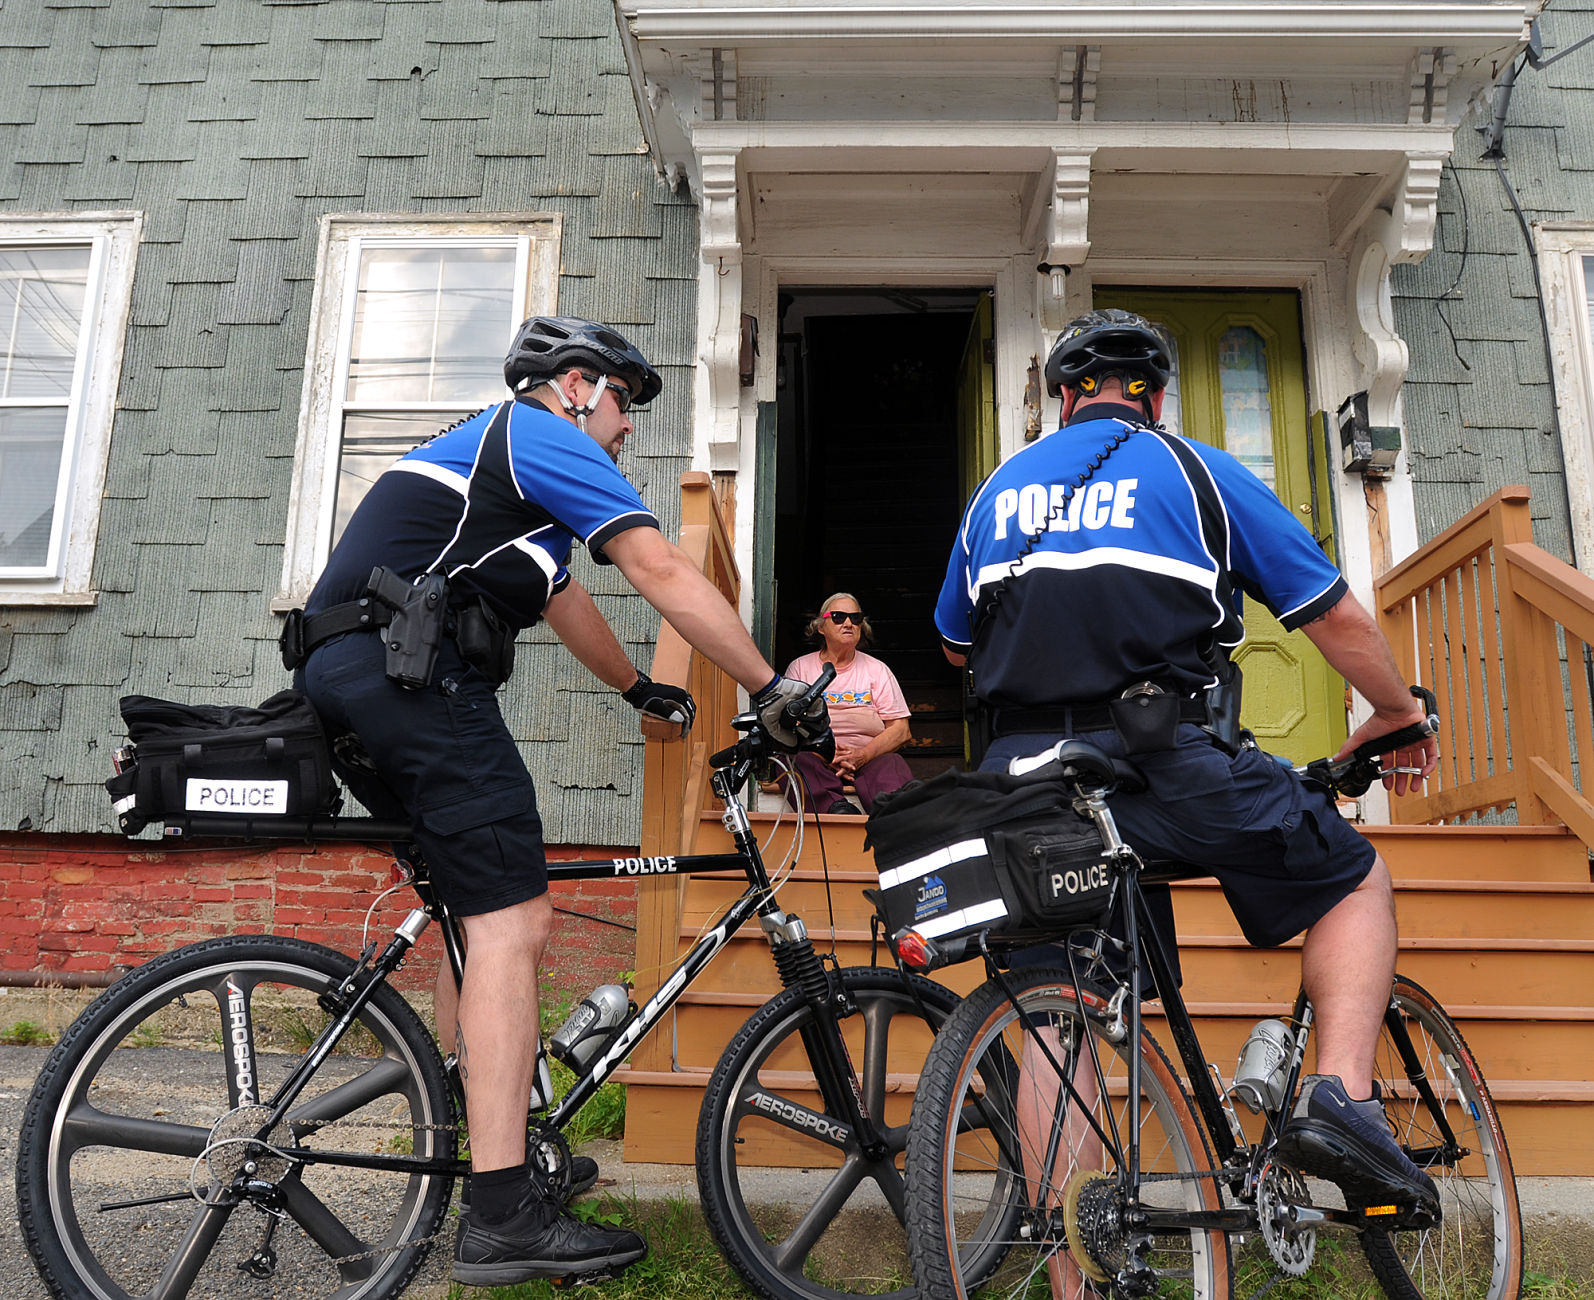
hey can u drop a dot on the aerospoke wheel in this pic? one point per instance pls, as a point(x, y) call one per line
point(760, 1106)
point(138, 1169)
point(1426, 1070)
point(990, 1106)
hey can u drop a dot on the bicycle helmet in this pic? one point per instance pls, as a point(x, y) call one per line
point(547, 345)
point(1109, 342)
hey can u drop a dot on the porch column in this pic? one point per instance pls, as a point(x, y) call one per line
point(719, 315)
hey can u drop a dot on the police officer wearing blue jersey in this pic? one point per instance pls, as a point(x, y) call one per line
point(473, 530)
point(1094, 590)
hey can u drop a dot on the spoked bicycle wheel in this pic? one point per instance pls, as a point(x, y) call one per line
point(754, 1110)
point(132, 1134)
point(990, 1103)
point(1476, 1250)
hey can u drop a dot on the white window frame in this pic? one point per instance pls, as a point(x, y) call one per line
point(1562, 246)
point(312, 501)
point(112, 238)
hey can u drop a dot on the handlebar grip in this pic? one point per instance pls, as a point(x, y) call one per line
point(1417, 731)
point(797, 710)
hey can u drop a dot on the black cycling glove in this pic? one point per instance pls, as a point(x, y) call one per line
point(661, 700)
point(770, 704)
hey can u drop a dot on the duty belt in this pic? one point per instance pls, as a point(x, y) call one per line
point(303, 632)
point(1074, 718)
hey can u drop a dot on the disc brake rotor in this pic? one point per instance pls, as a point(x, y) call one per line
point(1278, 1190)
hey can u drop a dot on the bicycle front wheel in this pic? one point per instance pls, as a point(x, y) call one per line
point(140, 1124)
point(1426, 1071)
point(993, 1129)
point(852, 1201)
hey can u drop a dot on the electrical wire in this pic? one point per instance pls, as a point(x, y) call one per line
point(1466, 242)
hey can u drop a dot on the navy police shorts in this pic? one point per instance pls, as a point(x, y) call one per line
point(1280, 848)
point(444, 761)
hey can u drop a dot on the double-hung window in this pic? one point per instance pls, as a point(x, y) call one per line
point(64, 293)
point(1566, 264)
point(411, 322)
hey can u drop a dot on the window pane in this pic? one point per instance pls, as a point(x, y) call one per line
point(1588, 290)
point(41, 308)
point(432, 324)
point(30, 469)
point(373, 442)
point(1247, 402)
point(1170, 403)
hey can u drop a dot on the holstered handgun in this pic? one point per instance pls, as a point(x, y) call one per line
point(416, 632)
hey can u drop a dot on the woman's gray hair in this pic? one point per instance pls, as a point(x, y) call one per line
point(866, 633)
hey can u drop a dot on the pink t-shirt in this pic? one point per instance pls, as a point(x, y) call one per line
point(863, 697)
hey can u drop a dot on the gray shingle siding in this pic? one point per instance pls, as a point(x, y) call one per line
point(1469, 432)
point(233, 127)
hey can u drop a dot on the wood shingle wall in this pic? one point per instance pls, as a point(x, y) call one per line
point(233, 126)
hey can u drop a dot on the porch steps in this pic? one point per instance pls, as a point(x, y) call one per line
point(1496, 922)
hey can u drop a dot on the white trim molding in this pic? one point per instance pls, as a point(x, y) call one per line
point(1563, 247)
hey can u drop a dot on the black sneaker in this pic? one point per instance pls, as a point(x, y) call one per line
point(539, 1240)
point(583, 1175)
point(1349, 1143)
point(844, 807)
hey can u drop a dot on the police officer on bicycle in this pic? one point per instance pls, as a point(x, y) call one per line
point(403, 644)
point(1094, 590)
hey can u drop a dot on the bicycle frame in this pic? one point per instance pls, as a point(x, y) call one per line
point(787, 935)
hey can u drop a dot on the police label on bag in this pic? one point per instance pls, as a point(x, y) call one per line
point(236, 796)
point(1070, 883)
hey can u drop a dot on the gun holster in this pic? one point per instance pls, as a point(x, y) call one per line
point(1223, 709)
point(415, 634)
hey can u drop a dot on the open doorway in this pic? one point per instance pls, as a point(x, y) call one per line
point(869, 459)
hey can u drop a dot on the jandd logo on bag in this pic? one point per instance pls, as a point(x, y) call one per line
point(270, 797)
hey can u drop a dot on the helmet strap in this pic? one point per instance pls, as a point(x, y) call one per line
point(579, 413)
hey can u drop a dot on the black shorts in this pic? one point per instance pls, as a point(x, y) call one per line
point(1280, 848)
point(444, 761)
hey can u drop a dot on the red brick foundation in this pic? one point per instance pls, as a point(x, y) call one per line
point(92, 903)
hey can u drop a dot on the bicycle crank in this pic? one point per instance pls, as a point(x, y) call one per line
point(1280, 1195)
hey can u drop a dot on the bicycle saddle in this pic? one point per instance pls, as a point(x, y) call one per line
point(1084, 764)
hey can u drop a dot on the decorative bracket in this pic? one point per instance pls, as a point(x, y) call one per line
point(1431, 71)
point(719, 312)
point(1402, 233)
point(1069, 218)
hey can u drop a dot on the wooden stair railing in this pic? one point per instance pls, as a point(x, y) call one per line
point(675, 774)
point(1501, 631)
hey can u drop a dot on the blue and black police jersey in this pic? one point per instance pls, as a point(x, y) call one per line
point(1133, 579)
point(494, 502)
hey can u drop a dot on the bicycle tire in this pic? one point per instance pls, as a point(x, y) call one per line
point(776, 1261)
point(127, 1104)
point(965, 1139)
point(1476, 1250)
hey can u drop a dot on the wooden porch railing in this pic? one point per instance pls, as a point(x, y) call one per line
point(1500, 630)
point(675, 775)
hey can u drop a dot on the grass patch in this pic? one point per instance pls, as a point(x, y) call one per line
point(24, 1033)
point(682, 1262)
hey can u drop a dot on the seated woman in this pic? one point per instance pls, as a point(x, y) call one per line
point(867, 714)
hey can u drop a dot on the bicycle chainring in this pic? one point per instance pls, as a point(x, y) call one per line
point(1093, 1222)
point(550, 1159)
point(1278, 1191)
point(232, 1144)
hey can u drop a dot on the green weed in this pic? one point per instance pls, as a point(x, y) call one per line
point(24, 1033)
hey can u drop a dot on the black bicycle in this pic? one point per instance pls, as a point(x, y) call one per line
point(1048, 1119)
point(312, 1147)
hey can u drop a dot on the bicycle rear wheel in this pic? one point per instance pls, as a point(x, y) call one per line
point(850, 1200)
point(1476, 1251)
point(133, 1112)
point(987, 1109)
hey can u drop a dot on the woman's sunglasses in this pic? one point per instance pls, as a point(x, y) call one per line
point(845, 616)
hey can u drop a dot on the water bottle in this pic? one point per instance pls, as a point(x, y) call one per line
point(1259, 1074)
point(541, 1082)
point(586, 1031)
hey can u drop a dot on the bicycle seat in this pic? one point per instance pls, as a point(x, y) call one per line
point(1085, 765)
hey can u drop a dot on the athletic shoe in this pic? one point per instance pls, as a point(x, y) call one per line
point(539, 1240)
point(1349, 1143)
point(583, 1174)
point(845, 807)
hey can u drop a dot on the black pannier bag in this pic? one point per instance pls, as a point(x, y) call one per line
point(972, 851)
point(202, 759)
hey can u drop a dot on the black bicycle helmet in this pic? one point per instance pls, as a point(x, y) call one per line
point(1107, 342)
point(547, 345)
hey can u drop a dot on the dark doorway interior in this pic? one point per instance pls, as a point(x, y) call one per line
point(867, 491)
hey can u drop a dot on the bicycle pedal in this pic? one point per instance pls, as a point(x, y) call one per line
point(572, 1280)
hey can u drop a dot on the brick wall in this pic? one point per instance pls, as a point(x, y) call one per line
point(94, 903)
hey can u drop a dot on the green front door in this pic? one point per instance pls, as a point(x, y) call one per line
point(1239, 383)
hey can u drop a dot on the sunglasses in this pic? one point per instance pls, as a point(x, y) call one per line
point(622, 394)
point(845, 616)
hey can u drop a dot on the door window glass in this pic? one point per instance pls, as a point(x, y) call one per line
point(1247, 401)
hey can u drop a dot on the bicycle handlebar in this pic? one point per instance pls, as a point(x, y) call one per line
point(1355, 775)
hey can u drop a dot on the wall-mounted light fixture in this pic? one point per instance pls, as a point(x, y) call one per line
point(1369, 450)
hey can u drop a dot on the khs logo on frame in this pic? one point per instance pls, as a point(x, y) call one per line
point(1104, 503)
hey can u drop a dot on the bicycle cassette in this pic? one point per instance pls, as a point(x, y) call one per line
point(1093, 1224)
point(232, 1148)
point(1278, 1191)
